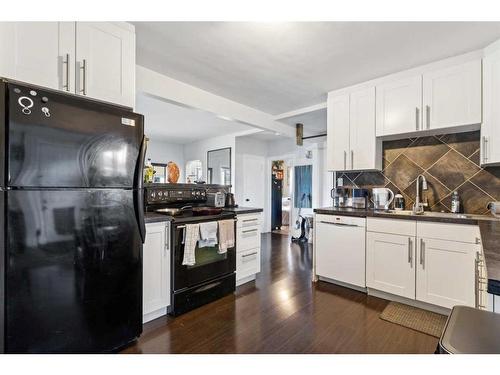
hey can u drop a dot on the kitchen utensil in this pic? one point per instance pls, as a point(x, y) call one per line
point(382, 198)
point(170, 211)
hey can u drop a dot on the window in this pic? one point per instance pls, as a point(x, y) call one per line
point(194, 171)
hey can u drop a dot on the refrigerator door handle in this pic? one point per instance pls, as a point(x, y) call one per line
point(138, 191)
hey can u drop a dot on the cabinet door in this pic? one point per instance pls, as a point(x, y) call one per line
point(390, 263)
point(446, 272)
point(40, 53)
point(399, 105)
point(338, 132)
point(156, 271)
point(362, 140)
point(490, 129)
point(105, 55)
point(340, 253)
point(452, 96)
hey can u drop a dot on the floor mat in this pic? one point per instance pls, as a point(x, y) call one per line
point(412, 317)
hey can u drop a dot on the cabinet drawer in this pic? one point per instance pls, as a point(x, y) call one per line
point(341, 220)
point(247, 238)
point(247, 263)
point(248, 220)
point(449, 232)
point(393, 226)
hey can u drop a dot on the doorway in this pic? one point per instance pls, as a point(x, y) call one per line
point(281, 197)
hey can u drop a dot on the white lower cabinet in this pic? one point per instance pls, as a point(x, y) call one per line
point(446, 272)
point(340, 249)
point(390, 263)
point(156, 271)
point(247, 247)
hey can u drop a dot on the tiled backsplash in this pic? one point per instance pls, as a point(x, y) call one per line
point(449, 162)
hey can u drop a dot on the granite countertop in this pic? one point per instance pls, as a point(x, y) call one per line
point(243, 210)
point(489, 227)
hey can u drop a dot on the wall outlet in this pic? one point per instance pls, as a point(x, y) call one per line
point(340, 181)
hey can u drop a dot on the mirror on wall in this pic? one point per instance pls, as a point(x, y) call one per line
point(219, 166)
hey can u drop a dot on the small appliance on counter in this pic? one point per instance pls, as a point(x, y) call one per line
point(382, 198)
point(340, 196)
point(359, 198)
point(216, 199)
point(494, 208)
point(230, 201)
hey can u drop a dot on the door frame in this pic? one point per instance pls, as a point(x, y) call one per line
point(289, 162)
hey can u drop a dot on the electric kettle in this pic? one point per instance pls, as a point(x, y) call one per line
point(382, 198)
point(230, 200)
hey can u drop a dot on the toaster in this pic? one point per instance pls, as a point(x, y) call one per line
point(216, 199)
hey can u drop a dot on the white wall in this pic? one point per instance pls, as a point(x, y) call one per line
point(198, 151)
point(163, 152)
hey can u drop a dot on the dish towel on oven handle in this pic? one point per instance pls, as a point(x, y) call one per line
point(226, 235)
point(191, 237)
point(208, 234)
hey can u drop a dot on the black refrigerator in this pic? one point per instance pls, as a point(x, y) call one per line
point(72, 222)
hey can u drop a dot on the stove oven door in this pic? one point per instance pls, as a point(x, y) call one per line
point(209, 265)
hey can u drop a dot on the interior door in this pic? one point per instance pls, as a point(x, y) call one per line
point(452, 96)
point(490, 130)
point(254, 180)
point(41, 53)
point(72, 143)
point(390, 263)
point(105, 57)
point(399, 106)
point(73, 270)
point(446, 272)
point(338, 132)
point(362, 129)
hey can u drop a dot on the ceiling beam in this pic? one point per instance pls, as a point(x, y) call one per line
point(171, 90)
point(301, 111)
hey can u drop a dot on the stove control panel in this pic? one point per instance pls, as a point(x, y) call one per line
point(157, 195)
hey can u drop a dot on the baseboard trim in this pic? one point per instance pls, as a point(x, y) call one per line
point(341, 283)
point(154, 315)
point(245, 280)
point(408, 301)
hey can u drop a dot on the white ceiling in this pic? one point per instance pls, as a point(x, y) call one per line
point(314, 122)
point(279, 67)
point(175, 124)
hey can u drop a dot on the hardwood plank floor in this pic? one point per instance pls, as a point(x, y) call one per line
point(283, 312)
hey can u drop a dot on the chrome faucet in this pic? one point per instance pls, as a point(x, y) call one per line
point(418, 207)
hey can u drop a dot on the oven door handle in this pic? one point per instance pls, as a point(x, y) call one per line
point(207, 287)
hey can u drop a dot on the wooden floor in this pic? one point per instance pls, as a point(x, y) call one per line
point(283, 312)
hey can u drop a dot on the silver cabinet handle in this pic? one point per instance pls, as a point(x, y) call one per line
point(485, 149)
point(417, 118)
point(249, 255)
point(422, 255)
point(410, 252)
point(247, 220)
point(476, 280)
point(345, 159)
point(249, 231)
point(428, 116)
point(352, 159)
point(66, 63)
point(83, 68)
point(167, 238)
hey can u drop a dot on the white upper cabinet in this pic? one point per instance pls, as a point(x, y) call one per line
point(40, 53)
point(351, 141)
point(337, 132)
point(399, 106)
point(363, 148)
point(92, 59)
point(452, 96)
point(490, 129)
point(105, 60)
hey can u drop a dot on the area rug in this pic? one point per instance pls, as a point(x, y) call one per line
point(412, 317)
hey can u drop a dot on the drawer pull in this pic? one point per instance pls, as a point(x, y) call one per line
point(247, 220)
point(249, 255)
point(339, 224)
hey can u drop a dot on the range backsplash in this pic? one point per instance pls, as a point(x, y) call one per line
point(449, 162)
